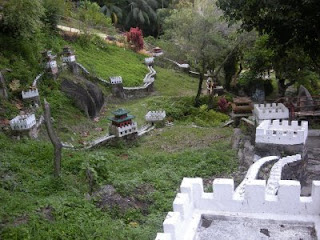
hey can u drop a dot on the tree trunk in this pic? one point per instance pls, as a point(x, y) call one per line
point(197, 99)
point(3, 87)
point(54, 139)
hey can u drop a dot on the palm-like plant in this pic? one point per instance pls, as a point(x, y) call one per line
point(141, 12)
point(111, 10)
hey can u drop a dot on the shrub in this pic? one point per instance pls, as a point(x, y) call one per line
point(135, 37)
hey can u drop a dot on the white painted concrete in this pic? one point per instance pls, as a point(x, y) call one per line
point(192, 202)
point(270, 111)
point(275, 173)
point(252, 174)
point(154, 116)
point(69, 59)
point(149, 61)
point(23, 122)
point(125, 130)
point(30, 93)
point(282, 133)
point(116, 80)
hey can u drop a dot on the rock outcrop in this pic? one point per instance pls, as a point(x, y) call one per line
point(87, 96)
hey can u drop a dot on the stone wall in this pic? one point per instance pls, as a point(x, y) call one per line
point(23, 122)
point(270, 111)
point(30, 93)
point(193, 202)
point(281, 132)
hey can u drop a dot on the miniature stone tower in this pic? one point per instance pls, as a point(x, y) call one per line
point(50, 62)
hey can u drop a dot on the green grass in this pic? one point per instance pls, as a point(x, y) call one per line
point(148, 171)
point(108, 60)
point(28, 188)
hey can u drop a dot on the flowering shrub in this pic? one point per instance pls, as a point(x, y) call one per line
point(135, 37)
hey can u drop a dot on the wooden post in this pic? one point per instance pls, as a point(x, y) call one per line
point(54, 139)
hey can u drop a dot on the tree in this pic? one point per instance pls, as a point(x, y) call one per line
point(202, 37)
point(111, 10)
point(22, 18)
point(289, 24)
point(141, 13)
point(135, 37)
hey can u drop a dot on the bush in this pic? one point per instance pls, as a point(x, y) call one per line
point(135, 37)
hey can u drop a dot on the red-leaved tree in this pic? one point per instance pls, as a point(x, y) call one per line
point(135, 37)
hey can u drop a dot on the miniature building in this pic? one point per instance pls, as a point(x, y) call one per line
point(157, 52)
point(116, 80)
point(69, 56)
point(242, 105)
point(149, 61)
point(23, 122)
point(270, 112)
point(32, 93)
point(155, 116)
point(286, 209)
point(281, 132)
point(50, 62)
point(121, 123)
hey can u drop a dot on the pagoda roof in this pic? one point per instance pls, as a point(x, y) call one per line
point(120, 112)
point(119, 120)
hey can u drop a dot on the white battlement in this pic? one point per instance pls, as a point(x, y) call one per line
point(116, 80)
point(125, 130)
point(30, 93)
point(281, 132)
point(153, 116)
point(69, 59)
point(192, 202)
point(23, 122)
point(149, 61)
point(270, 111)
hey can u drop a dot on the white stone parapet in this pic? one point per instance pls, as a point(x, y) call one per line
point(125, 130)
point(116, 80)
point(149, 61)
point(30, 93)
point(281, 132)
point(275, 173)
point(69, 59)
point(192, 202)
point(154, 116)
point(23, 122)
point(150, 75)
point(270, 111)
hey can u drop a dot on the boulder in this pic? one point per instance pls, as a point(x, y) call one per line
point(87, 96)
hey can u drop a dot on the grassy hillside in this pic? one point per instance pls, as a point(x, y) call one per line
point(109, 60)
point(145, 173)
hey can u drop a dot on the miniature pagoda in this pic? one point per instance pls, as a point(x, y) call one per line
point(242, 106)
point(122, 124)
point(50, 62)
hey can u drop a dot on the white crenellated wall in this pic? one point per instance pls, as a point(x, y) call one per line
point(69, 59)
point(182, 223)
point(150, 75)
point(125, 130)
point(30, 93)
point(116, 80)
point(153, 116)
point(23, 122)
point(149, 61)
point(282, 132)
point(270, 111)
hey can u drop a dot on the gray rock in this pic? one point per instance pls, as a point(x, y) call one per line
point(87, 96)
